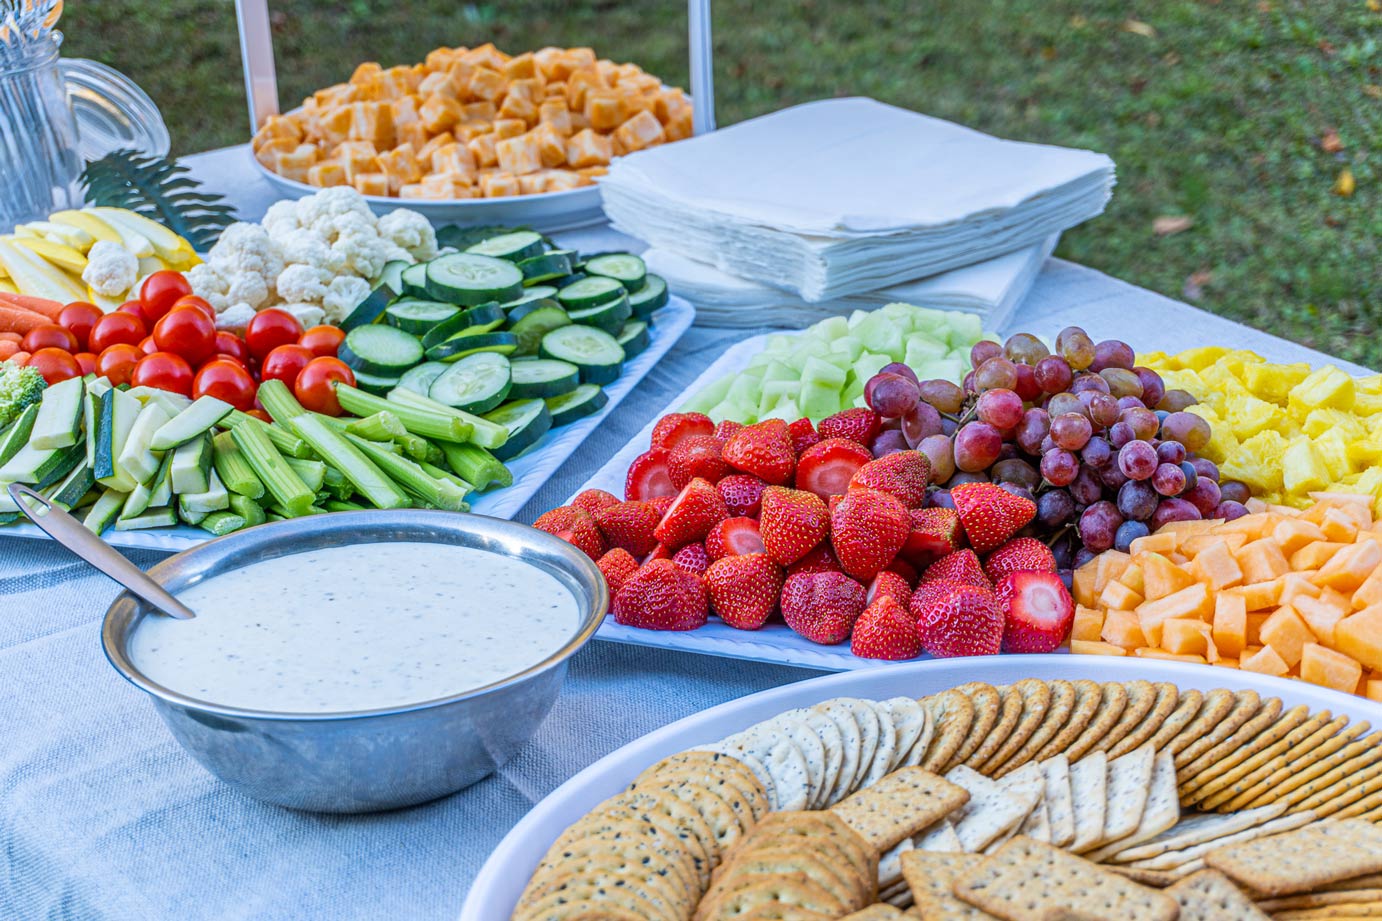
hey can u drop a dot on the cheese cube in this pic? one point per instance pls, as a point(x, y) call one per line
point(521, 67)
point(1087, 648)
point(326, 174)
point(586, 148)
point(1088, 623)
point(500, 184)
point(1230, 624)
point(603, 109)
point(295, 163)
point(454, 158)
point(1121, 628)
point(400, 165)
point(277, 127)
point(551, 145)
point(1264, 661)
point(371, 184)
point(518, 155)
point(482, 149)
point(668, 104)
point(643, 130)
point(486, 84)
point(268, 152)
point(555, 113)
point(372, 121)
point(1286, 633)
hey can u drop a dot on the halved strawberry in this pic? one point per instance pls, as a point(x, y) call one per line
point(726, 428)
point(990, 514)
point(662, 596)
point(697, 509)
point(662, 504)
point(734, 537)
point(935, 532)
point(902, 473)
point(867, 529)
point(822, 606)
point(696, 456)
point(743, 494)
point(648, 476)
point(827, 467)
point(673, 427)
point(692, 558)
point(804, 435)
point(592, 500)
point(744, 589)
point(885, 631)
point(576, 526)
point(1037, 611)
point(891, 585)
point(792, 523)
point(659, 553)
point(763, 449)
point(958, 620)
point(616, 566)
point(961, 566)
point(1021, 554)
point(858, 425)
point(629, 525)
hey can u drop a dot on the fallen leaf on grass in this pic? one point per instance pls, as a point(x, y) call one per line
point(1169, 224)
point(1345, 184)
point(1329, 141)
point(1138, 27)
point(1193, 289)
point(1372, 89)
point(1375, 6)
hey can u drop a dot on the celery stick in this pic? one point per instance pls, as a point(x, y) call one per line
point(440, 493)
point(341, 453)
point(232, 467)
point(424, 421)
point(339, 505)
point(247, 508)
point(311, 472)
point(279, 402)
point(288, 444)
point(273, 471)
point(417, 448)
point(476, 465)
point(484, 433)
point(380, 426)
point(434, 471)
point(222, 522)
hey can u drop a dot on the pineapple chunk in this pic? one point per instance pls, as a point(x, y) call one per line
point(1328, 387)
point(1250, 415)
point(1257, 462)
point(1303, 469)
point(1273, 382)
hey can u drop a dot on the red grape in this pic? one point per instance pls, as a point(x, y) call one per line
point(891, 395)
point(1168, 479)
point(1089, 382)
point(1137, 460)
point(1071, 431)
point(1027, 387)
point(1137, 500)
point(1122, 383)
point(1205, 496)
point(1176, 400)
point(1113, 354)
point(1024, 348)
point(1104, 410)
point(1234, 491)
point(976, 446)
point(1087, 488)
point(1053, 374)
point(888, 442)
point(1187, 428)
point(1055, 508)
point(1097, 453)
point(1016, 471)
point(1059, 467)
point(982, 351)
point(942, 394)
point(1174, 510)
point(1229, 510)
point(994, 374)
point(1192, 476)
point(999, 408)
point(940, 499)
point(898, 367)
point(1062, 403)
point(1205, 468)
point(921, 422)
point(1098, 525)
point(1035, 425)
point(1074, 345)
point(1170, 452)
point(1018, 490)
point(1153, 388)
point(942, 455)
point(1120, 433)
point(1112, 476)
point(1143, 421)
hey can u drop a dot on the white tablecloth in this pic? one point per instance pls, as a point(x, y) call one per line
point(103, 816)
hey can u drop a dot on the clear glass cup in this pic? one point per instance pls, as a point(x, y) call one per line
point(40, 166)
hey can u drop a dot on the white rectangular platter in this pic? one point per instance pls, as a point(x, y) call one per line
point(530, 470)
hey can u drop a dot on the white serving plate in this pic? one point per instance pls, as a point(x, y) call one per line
point(501, 880)
point(530, 470)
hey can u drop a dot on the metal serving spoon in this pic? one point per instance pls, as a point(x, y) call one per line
point(73, 535)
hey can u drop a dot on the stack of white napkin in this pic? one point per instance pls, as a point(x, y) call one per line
point(847, 196)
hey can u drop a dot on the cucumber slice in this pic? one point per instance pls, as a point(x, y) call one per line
point(533, 321)
point(515, 246)
point(203, 415)
point(370, 309)
point(585, 400)
point(392, 276)
point(590, 292)
point(569, 280)
point(419, 379)
point(634, 338)
point(489, 316)
point(414, 279)
point(526, 420)
point(457, 347)
point(475, 384)
point(468, 279)
point(625, 268)
point(594, 351)
point(535, 293)
point(542, 378)
point(377, 384)
point(609, 316)
point(59, 422)
point(417, 317)
point(382, 350)
point(544, 267)
point(652, 296)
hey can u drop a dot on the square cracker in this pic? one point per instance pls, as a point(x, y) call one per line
point(992, 810)
point(1209, 896)
point(932, 877)
point(1171, 859)
point(940, 837)
point(1060, 808)
point(1030, 881)
point(1129, 779)
point(1300, 860)
point(1321, 899)
point(1200, 828)
point(1161, 812)
point(876, 912)
point(1346, 910)
point(1089, 788)
point(899, 806)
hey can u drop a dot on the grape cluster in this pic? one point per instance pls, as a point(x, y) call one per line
point(1105, 451)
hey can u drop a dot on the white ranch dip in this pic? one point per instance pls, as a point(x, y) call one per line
point(357, 628)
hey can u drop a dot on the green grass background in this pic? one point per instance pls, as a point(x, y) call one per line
point(1212, 110)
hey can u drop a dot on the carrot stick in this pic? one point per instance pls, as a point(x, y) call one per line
point(43, 305)
point(19, 320)
point(7, 348)
point(19, 358)
point(12, 337)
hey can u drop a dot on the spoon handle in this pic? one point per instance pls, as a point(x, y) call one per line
point(73, 535)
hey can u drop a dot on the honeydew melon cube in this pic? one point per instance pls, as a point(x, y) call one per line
point(722, 411)
point(787, 411)
point(883, 337)
point(780, 343)
point(817, 400)
point(946, 369)
point(826, 370)
point(857, 317)
point(774, 392)
point(848, 345)
point(965, 329)
point(762, 360)
point(921, 349)
point(780, 371)
point(744, 391)
point(713, 393)
point(831, 328)
point(867, 365)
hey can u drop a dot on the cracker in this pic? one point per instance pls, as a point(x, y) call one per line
point(1028, 784)
point(1129, 779)
point(687, 822)
point(932, 876)
point(611, 868)
point(1216, 705)
point(722, 819)
point(1169, 860)
point(940, 837)
point(1163, 705)
point(890, 863)
point(1037, 825)
point(1009, 713)
point(817, 830)
point(1057, 715)
point(1351, 910)
point(1366, 881)
point(1036, 703)
point(1301, 740)
point(885, 752)
point(1030, 881)
point(899, 806)
point(1284, 733)
point(1161, 811)
point(987, 703)
point(1346, 790)
point(784, 761)
point(1209, 896)
point(1157, 879)
point(875, 912)
point(1142, 697)
point(991, 811)
point(851, 743)
point(1321, 899)
point(1300, 860)
point(1263, 728)
point(1089, 789)
point(831, 740)
point(1187, 708)
point(867, 718)
point(1060, 808)
point(1349, 761)
point(626, 839)
point(912, 722)
point(1297, 771)
point(1088, 697)
point(952, 713)
point(744, 893)
point(1113, 700)
point(731, 748)
point(716, 770)
point(809, 744)
point(1247, 704)
point(785, 861)
point(648, 810)
point(604, 901)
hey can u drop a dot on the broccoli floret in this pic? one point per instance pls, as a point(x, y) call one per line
point(19, 387)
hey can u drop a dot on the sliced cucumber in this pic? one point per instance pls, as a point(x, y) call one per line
point(414, 279)
point(590, 292)
point(515, 246)
point(633, 338)
point(476, 383)
point(370, 309)
point(486, 316)
point(652, 296)
point(609, 316)
point(419, 379)
point(526, 420)
point(467, 279)
point(545, 267)
point(59, 422)
point(531, 322)
point(466, 343)
point(542, 378)
point(569, 280)
point(417, 317)
point(203, 415)
point(625, 268)
point(585, 400)
point(382, 350)
point(594, 351)
point(378, 384)
point(535, 293)
point(392, 276)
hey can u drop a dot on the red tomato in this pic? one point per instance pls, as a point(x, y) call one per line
point(55, 365)
point(225, 379)
point(50, 336)
point(191, 300)
point(227, 343)
point(147, 345)
point(186, 331)
point(114, 328)
point(163, 371)
point(79, 317)
point(285, 363)
point(315, 387)
point(271, 328)
point(322, 340)
point(18, 359)
point(160, 291)
point(259, 414)
point(134, 308)
point(116, 363)
point(87, 362)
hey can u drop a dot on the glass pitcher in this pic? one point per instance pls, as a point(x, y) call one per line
point(40, 164)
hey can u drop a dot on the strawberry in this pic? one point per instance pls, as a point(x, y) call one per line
point(886, 631)
point(617, 565)
point(804, 435)
point(834, 502)
point(662, 596)
point(763, 449)
point(692, 558)
point(990, 514)
point(826, 467)
point(648, 476)
point(659, 553)
point(818, 560)
point(673, 427)
point(592, 500)
point(629, 525)
point(902, 473)
point(1021, 554)
point(744, 589)
point(697, 509)
point(743, 494)
point(726, 428)
point(935, 533)
point(662, 504)
point(867, 529)
point(576, 527)
point(890, 585)
point(1037, 611)
point(792, 523)
point(822, 606)
point(696, 456)
point(961, 566)
point(904, 569)
point(858, 425)
point(928, 594)
point(958, 620)
point(734, 537)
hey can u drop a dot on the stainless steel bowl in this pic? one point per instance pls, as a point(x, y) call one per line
point(367, 760)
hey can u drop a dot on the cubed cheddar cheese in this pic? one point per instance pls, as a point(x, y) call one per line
point(505, 128)
point(486, 84)
point(278, 127)
point(640, 131)
point(373, 122)
point(603, 109)
point(551, 145)
point(1327, 668)
point(454, 158)
point(401, 166)
point(371, 184)
point(555, 113)
point(586, 148)
point(295, 163)
point(268, 152)
point(482, 149)
point(326, 174)
point(500, 184)
point(439, 113)
point(518, 155)
point(432, 145)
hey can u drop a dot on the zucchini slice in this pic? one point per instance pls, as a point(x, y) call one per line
point(625, 268)
point(457, 347)
point(476, 383)
point(526, 421)
point(594, 351)
point(609, 316)
point(417, 317)
point(543, 377)
point(515, 246)
point(467, 279)
point(634, 338)
point(585, 400)
point(382, 350)
point(590, 292)
point(533, 321)
point(419, 379)
point(652, 296)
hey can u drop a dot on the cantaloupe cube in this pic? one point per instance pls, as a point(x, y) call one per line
point(1194, 602)
point(1291, 534)
point(1262, 561)
point(1194, 546)
point(1373, 689)
point(1252, 629)
point(1118, 595)
point(1350, 567)
point(1260, 596)
point(1314, 556)
point(1122, 628)
point(1216, 565)
point(1370, 592)
point(1354, 504)
point(1226, 662)
point(1330, 669)
point(1109, 566)
point(1360, 636)
point(1180, 559)
point(1087, 648)
point(1161, 577)
point(1264, 661)
point(1163, 541)
point(1082, 584)
point(1147, 653)
point(1132, 578)
point(1321, 616)
point(1255, 526)
point(1285, 632)
point(1298, 585)
point(1230, 624)
point(1088, 623)
point(1338, 525)
point(1193, 526)
point(1185, 637)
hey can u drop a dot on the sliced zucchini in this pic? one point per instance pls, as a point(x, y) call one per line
point(593, 350)
point(414, 279)
point(42, 467)
point(545, 267)
point(137, 459)
point(138, 501)
point(468, 279)
point(533, 321)
point(377, 384)
point(59, 421)
point(116, 419)
point(417, 317)
point(590, 292)
point(164, 517)
point(526, 420)
point(535, 293)
point(17, 435)
point(633, 338)
point(467, 343)
point(419, 379)
point(515, 246)
point(487, 316)
point(542, 378)
point(652, 296)
point(392, 276)
point(203, 415)
point(103, 514)
point(476, 383)
point(585, 400)
point(625, 268)
point(72, 488)
point(609, 316)
point(190, 471)
point(382, 350)
point(370, 309)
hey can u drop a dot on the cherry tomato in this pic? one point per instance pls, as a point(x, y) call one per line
point(285, 363)
point(147, 345)
point(163, 371)
point(49, 336)
point(55, 365)
point(322, 340)
point(160, 291)
point(134, 308)
point(186, 331)
point(259, 414)
point(116, 364)
point(227, 343)
point(191, 300)
point(79, 317)
point(225, 379)
point(87, 362)
point(315, 387)
point(114, 328)
point(19, 359)
point(271, 328)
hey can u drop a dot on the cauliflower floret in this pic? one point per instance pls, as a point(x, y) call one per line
point(308, 248)
point(246, 248)
point(364, 254)
point(235, 317)
point(411, 231)
point(248, 288)
point(282, 217)
point(309, 315)
point(111, 270)
point(343, 295)
point(302, 283)
point(323, 209)
point(394, 252)
point(210, 285)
